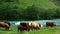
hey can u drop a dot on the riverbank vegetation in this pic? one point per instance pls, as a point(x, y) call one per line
point(28, 10)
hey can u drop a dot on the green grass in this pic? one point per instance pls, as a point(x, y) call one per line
point(44, 30)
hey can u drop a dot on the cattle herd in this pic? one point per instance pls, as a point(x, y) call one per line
point(26, 25)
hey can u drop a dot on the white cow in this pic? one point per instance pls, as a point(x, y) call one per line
point(35, 24)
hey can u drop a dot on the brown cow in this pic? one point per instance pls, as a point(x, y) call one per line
point(23, 26)
point(50, 24)
point(5, 24)
point(28, 26)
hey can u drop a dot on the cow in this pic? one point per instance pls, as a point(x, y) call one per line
point(23, 26)
point(51, 24)
point(5, 24)
point(35, 25)
point(28, 25)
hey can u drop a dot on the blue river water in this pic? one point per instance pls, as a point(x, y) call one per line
point(43, 22)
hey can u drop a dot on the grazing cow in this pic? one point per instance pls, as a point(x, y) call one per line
point(5, 24)
point(50, 24)
point(28, 26)
point(35, 25)
point(23, 26)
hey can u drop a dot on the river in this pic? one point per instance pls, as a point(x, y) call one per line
point(43, 22)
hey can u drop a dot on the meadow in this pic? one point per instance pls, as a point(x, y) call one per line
point(44, 30)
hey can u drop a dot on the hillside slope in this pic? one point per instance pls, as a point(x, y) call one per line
point(25, 3)
point(56, 2)
point(39, 3)
point(28, 10)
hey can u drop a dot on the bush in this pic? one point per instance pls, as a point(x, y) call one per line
point(46, 14)
point(58, 12)
point(31, 13)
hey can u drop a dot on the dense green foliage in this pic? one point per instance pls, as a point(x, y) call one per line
point(28, 10)
point(57, 13)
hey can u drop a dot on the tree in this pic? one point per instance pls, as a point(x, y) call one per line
point(31, 13)
point(47, 14)
point(58, 12)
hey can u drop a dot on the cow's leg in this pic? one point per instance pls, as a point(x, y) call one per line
point(6, 28)
point(18, 29)
point(46, 25)
point(28, 29)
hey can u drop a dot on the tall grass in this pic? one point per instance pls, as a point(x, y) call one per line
point(44, 30)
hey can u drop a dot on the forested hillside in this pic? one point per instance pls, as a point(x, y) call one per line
point(28, 10)
point(56, 2)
